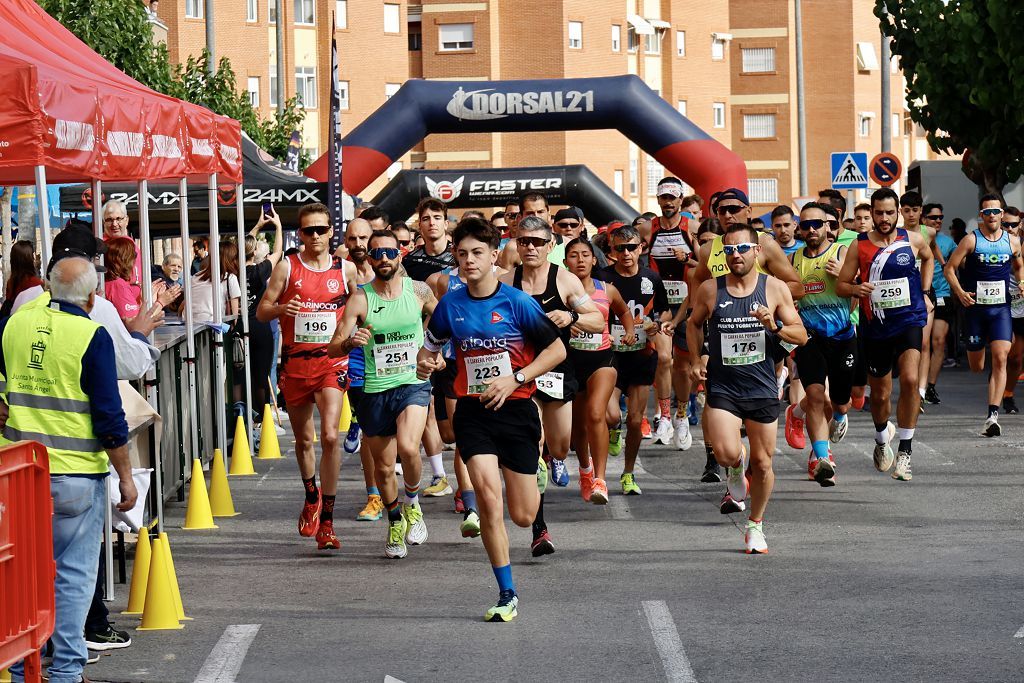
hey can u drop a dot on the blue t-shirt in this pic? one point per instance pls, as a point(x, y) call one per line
point(790, 250)
point(946, 248)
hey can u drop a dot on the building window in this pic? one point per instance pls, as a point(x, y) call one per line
point(341, 14)
point(681, 106)
point(655, 172)
point(633, 40)
point(575, 35)
point(272, 11)
point(390, 89)
point(415, 38)
point(758, 60)
point(680, 43)
point(272, 82)
point(652, 43)
point(305, 86)
point(616, 37)
point(392, 18)
point(617, 182)
point(718, 114)
point(343, 95)
point(758, 126)
point(251, 11)
point(867, 60)
point(305, 12)
point(634, 172)
point(763, 190)
point(253, 88)
point(193, 9)
point(455, 37)
point(717, 49)
point(865, 126)
point(896, 125)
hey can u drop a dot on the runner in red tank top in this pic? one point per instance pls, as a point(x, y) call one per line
point(307, 292)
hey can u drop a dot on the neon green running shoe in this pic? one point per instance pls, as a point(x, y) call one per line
point(542, 476)
point(629, 487)
point(614, 442)
point(505, 610)
point(470, 526)
point(395, 547)
point(416, 528)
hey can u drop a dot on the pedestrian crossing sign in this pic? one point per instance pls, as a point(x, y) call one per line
point(849, 170)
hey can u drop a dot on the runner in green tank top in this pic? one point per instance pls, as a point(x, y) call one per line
point(385, 318)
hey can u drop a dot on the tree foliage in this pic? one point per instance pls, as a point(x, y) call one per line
point(120, 31)
point(965, 79)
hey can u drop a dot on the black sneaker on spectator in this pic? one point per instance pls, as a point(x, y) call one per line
point(108, 639)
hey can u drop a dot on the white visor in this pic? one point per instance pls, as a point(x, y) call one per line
point(670, 188)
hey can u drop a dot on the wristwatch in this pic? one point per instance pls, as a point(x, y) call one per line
point(519, 377)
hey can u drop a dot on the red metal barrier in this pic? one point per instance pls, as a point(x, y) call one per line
point(27, 568)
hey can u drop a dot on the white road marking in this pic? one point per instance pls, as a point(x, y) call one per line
point(264, 477)
point(228, 654)
point(666, 639)
point(392, 679)
point(1020, 633)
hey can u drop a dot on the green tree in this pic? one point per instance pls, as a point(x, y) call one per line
point(120, 31)
point(965, 79)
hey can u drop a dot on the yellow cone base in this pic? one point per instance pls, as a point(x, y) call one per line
point(140, 574)
point(270, 449)
point(159, 614)
point(241, 458)
point(346, 414)
point(198, 515)
point(221, 503)
point(175, 592)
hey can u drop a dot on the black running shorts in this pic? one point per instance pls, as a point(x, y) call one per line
point(882, 354)
point(512, 432)
point(823, 358)
point(763, 410)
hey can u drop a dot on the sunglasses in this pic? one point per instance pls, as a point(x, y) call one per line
point(620, 248)
point(513, 216)
point(404, 243)
point(315, 230)
point(1011, 226)
point(567, 225)
point(991, 212)
point(937, 217)
point(731, 249)
point(730, 208)
point(811, 224)
point(534, 241)
point(380, 253)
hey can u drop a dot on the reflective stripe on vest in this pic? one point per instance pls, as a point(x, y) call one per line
point(43, 349)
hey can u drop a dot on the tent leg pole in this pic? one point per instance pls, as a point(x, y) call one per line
point(44, 216)
point(218, 318)
point(243, 282)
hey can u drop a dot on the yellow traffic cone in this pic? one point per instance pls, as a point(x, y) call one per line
point(221, 503)
point(140, 574)
point(241, 458)
point(173, 576)
point(346, 414)
point(270, 449)
point(198, 515)
point(159, 613)
point(5, 676)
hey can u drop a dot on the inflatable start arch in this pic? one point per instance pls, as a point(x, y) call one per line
point(624, 103)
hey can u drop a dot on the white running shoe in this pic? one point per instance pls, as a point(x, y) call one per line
point(754, 542)
point(416, 533)
point(837, 430)
point(736, 478)
point(902, 470)
point(681, 438)
point(992, 427)
point(663, 432)
point(883, 455)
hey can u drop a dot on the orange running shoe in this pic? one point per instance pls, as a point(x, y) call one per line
point(599, 495)
point(586, 484)
point(645, 429)
point(325, 538)
point(309, 520)
point(795, 430)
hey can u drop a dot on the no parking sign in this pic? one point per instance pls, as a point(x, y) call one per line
point(885, 169)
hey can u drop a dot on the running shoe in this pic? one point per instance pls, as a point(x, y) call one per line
point(460, 507)
point(559, 473)
point(645, 429)
point(837, 430)
point(542, 476)
point(992, 427)
point(1010, 406)
point(781, 381)
point(663, 431)
point(754, 542)
point(439, 486)
point(416, 528)
point(395, 547)
point(883, 456)
point(353, 439)
point(614, 442)
point(736, 479)
point(825, 471)
point(795, 430)
point(858, 402)
point(470, 526)
point(599, 496)
point(629, 487)
point(693, 411)
point(506, 609)
point(542, 544)
point(107, 639)
point(681, 437)
point(398, 469)
point(373, 511)
point(325, 538)
point(729, 506)
point(932, 396)
point(902, 470)
point(712, 473)
point(309, 518)
point(586, 485)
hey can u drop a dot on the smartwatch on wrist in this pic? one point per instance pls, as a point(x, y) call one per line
point(519, 377)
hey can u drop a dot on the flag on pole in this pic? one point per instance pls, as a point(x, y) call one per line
point(334, 191)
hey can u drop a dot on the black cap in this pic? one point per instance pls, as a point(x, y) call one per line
point(731, 193)
point(77, 239)
point(570, 212)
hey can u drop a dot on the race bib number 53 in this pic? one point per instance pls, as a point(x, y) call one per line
point(315, 328)
point(481, 370)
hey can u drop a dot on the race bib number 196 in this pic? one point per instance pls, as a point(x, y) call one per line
point(315, 328)
point(481, 370)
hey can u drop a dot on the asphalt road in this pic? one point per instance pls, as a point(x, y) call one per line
point(872, 580)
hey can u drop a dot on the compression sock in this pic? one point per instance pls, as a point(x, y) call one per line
point(993, 410)
point(327, 513)
point(394, 510)
point(504, 577)
point(906, 437)
point(538, 523)
point(665, 405)
point(820, 449)
point(710, 453)
point(411, 494)
point(372, 491)
point(469, 500)
point(437, 465)
point(312, 492)
point(882, 432)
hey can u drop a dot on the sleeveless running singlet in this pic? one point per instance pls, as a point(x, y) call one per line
point(551, 383)
point(596, 341)
point(304, 338)
point(645, 298)
point(717, 263)
point(397, 328)
point(821, 309)
point(896, 302)
point(740, 367)
point(988, 270)
point(673, 272)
